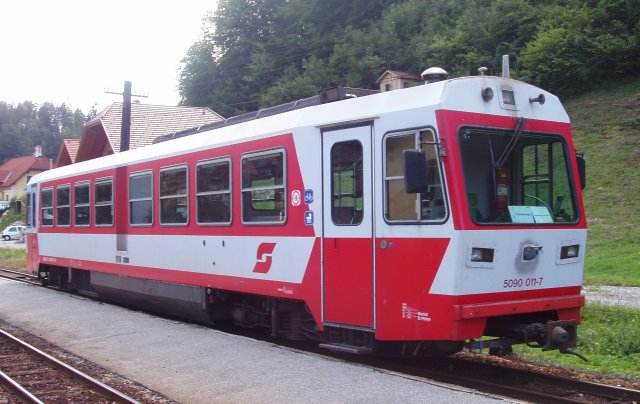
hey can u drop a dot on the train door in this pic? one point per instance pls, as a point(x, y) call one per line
point(31, 234)
point(348, 271)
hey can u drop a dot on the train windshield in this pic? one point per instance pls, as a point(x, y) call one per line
point(517, 177)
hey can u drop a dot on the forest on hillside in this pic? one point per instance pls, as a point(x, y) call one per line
point(26, 125)
point(258, 53)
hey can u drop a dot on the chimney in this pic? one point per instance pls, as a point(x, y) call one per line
point(37, 151)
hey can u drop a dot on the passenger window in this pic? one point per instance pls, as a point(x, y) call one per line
point(63, 218)
point(46, 199)
point(213, 192)
point(399, 205)
point(174, 205)
point(263, 188)
point(346, 183)
point(104, 202)
point(81, 204)
point(141, 198)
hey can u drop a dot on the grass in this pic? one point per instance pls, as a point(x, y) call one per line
point(12, 258)
point(606, 122)
point(610, 339)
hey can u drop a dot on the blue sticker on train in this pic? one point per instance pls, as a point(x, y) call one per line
point(308, 218)
point(308, 196)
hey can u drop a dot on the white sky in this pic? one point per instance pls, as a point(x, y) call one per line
point(71, 51)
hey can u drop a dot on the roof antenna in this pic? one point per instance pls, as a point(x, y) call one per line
point(505, 67)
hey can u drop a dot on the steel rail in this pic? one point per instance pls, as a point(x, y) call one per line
point(23, 277)
point(18, 273)
point(105, 390)
point(14, 387)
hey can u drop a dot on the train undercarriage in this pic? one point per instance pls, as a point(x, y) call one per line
point(292, 320)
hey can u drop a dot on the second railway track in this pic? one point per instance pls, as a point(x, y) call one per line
point(33, 376)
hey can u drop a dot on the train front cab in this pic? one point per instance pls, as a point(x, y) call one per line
point(494, 248)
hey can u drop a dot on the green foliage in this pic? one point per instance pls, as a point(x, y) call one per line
point(583, 44)
point(604, 125)
point(25, 125)
point(251, 48)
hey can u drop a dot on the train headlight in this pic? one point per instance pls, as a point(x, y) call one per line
point(482, 254)
point(570, 251)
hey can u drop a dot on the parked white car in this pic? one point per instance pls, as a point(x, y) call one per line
point(12, 232)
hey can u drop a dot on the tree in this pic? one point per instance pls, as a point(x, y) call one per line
point(26, 125)
point(254, 52)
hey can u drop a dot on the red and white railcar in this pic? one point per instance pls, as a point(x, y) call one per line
point(428, 216)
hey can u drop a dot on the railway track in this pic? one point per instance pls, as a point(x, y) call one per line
point(19, 276)
point(519, 384)
point(33, 376)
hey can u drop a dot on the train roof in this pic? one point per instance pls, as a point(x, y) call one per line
point(461, 94)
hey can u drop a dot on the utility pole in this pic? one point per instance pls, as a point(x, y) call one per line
point(125, 128)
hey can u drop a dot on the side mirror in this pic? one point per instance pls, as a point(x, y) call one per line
point(416, 178)
point(582, 170)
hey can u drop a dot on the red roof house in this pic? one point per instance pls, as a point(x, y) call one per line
point(68, 152)
point(16, 172)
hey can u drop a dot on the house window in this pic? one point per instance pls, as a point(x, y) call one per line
point(213, 192)
point(81, 204)
point(174, 203)
point(103, 197)
point(387, 87)
point(63, 208)
point(263, 187)
point(46, 199)
point(141, 198)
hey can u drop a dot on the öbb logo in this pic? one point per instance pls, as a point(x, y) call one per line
point(263, 256)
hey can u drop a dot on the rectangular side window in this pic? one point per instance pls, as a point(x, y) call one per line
point(174, 203)
point(213, 192)
point(63, 208)
point(399, 205)
point(103, 196)
point(81, 204)
point(263, 187)
point(141, 198)
point(346, 183)
point(46, 203)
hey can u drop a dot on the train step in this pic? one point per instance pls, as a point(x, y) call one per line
point(346, 348)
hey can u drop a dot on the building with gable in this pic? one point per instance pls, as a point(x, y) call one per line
point(16, 172)
point(68, 152)
point(101, 135)
point(394, 80)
